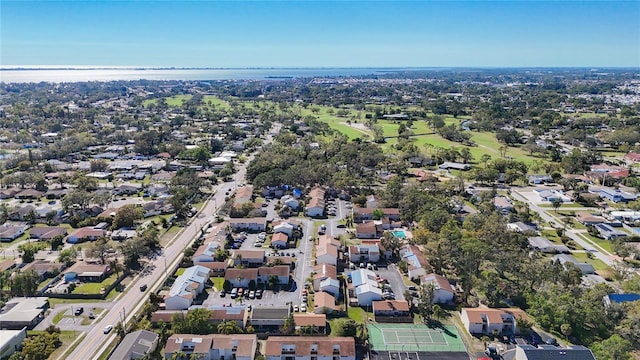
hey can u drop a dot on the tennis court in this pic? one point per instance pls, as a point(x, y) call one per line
point(414, 338)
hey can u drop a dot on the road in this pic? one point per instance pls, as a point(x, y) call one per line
point(570, 232)
point(127, 305)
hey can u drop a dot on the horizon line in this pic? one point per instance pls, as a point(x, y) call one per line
point(132, 67)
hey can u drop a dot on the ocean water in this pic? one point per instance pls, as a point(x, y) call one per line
point(95, 74)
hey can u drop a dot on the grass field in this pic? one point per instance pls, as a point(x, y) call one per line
point(95, 288)
point(174, 101)
point(597, 264)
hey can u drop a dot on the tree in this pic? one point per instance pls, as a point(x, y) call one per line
point(391, 242)
point(99, 249)
point(228, 327)
point(28, 251)
point(289, 326)
point(556, 202)
point(485, 159)
point(426, 293)
point(613, 348)
point(24, 283)
point(127, 215)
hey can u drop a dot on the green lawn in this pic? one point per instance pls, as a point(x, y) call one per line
point(95, 288)
point(605, 244)
point(597, 264)
point(67, 337)
point(218, 282)
point(179, 272)
point(174, 101)
point(358, 314)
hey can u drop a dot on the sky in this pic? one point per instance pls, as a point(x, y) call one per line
point(232, 34)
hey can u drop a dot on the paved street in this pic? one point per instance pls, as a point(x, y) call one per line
point(95, 341)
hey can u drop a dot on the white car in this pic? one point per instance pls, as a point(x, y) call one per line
point(303, 308)
point(108, 329)
point(295, 308)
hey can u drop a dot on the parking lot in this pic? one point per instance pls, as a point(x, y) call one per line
point(282, 297)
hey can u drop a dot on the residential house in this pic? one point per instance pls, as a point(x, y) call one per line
point(85, 234)
point(269, 317)
point(126, 190)
point(546, 246)
point(392, 311)
point(279, 240)
point(503, 204)
point(551, 195)
point(364, 253)
point(454, 166)
point(291, 202)
point(310, 348)
point(11, 341)
point(241, 277)
point(327, 250)
point(372, 202)
point(249, 224)
point(325, 303)
point(21, 312)
point(568, 260)
point(237, 314)
point(617, 195)
point(8, 193)
point(11, 232)
point(368, 230)
point(539, 179)
point(29, 194)
point(212, 347)
point(135, 345)
point(22, 213)
point(47, 233)
point(522, 227)
point(243, 196)
point(284, 228)
point(361, 214)
point(487, 321)
point(282, 272)
point(325, 279)
point(550, 352)
point(365, 287)
point(44, 269)
point(317, 322)
point(416, 263)
point(87, 272)
point(186, 288)
point(609, 232)
point(632, 157)
point(384, 253)
point(316, 205)
point(206, 253)
point(588, 219)
point(442, 290)
point(248, 258)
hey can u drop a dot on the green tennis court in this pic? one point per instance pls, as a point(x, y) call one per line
point(410, 337)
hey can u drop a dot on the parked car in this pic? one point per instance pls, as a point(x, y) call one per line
point(223, 293)
point(259, 294)
point(295, 308)
point(143, 288)
point(303, 308)
point(108, 328)
point(78, 311)
point(252, 294)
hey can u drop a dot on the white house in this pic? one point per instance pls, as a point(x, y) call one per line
point(327, 254)
point(365, 286)
point(331, 286)
point(367, 294)
point(205, 253)
point(486, 320)
point(364, 253)
point(415, 261)
point(291, 202)
point(241, 277)
point(443, 292)
point(323, 272)
point(282, 272)
point(249, 224)
point(186, 287)
point(284, 228)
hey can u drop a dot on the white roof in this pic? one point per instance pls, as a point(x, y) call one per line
point(368, 288)
point(197, 273)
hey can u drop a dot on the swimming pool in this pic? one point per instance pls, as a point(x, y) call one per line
point(399, 234)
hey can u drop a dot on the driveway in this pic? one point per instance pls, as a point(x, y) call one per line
point(395, 280)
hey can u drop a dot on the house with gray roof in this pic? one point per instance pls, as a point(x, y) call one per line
point(565, 259)
point(550, 352)
point(544, 245)
point(135, 345)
